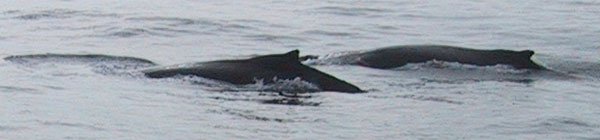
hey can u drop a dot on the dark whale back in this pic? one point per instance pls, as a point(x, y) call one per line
point(248, 71)
point(396, 56)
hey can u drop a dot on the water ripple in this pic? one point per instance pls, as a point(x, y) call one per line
point(11, 128)
point(562, 124)
point(329, 33)
point(12, 89)
point(57, 14)
point(48, 14)
point(173, 26)
point(419, 98)
point(246, 114)
point(547, 126)
point(132, 32)
point(173, 21)
point(102, 64)
point(582, 3)
point(275, 101)
point(67, 124)
point(275, 38)
point(351, 11)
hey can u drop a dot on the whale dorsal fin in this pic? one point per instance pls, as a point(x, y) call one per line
point(289, 57)
point(526, 53)
point(294, 55)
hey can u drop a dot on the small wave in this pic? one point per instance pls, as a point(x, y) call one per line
point(420, 98)
point(58, 14)
point(171, 21)
point(296, 85)
point(582, 3)
point(333, 59)
point(103, 64)
point(10, 12)
point(67, 124)
point(172, 30)
point(464, 81)
point(348, 58)
point(290, 101)
point(11, 128)
point(132, 32)
point(48, 14)
point(275, 38)
point(254, 24)
point(579, 67)
point(329, 33)
point(174, 26)
point(279, 85)
point(12, 89)
point(436, 64)
point(351, 11)
point(380, 29)
point(561, 123)
point(249, 115)
point(41, 58)
point(275, 101)
point(545, 126)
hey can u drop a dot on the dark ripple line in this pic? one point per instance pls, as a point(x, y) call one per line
point(246, 115)
point(252, 117)
point(11, 128)
point(33, 58)
point(56, 13)
point(59, 14)
point(164, 29)
point(132, 32)
point(582, 3)
point(275, 101)
point(465, 81)
point(562, 120)
point(547, 125)
point(5, 89)
point(175, 21)
point(209, 27)
point(259, 23)
point(10, 12)
point(452, 18)
point(420, 98)
point(329, 33)
point(352, 11)
point(76, 125)
point(275, 38)
point(102, 64)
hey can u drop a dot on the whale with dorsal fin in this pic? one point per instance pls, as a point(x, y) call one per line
point(397, 56)
point(247, 71)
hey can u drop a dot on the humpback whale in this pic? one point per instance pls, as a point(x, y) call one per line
point(396, 56)
point(247, 71)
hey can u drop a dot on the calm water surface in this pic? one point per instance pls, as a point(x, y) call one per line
point(63, 98)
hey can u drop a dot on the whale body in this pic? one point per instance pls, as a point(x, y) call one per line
point(396, 56)
point(247, 71)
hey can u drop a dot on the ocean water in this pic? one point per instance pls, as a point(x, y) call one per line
point(105, 98)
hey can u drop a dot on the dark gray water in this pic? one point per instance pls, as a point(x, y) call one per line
point(92, 98)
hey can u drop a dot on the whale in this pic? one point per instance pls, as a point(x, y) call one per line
point(268, 68)
point(397, 56)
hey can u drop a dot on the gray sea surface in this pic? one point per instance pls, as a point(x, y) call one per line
point(107, 98)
